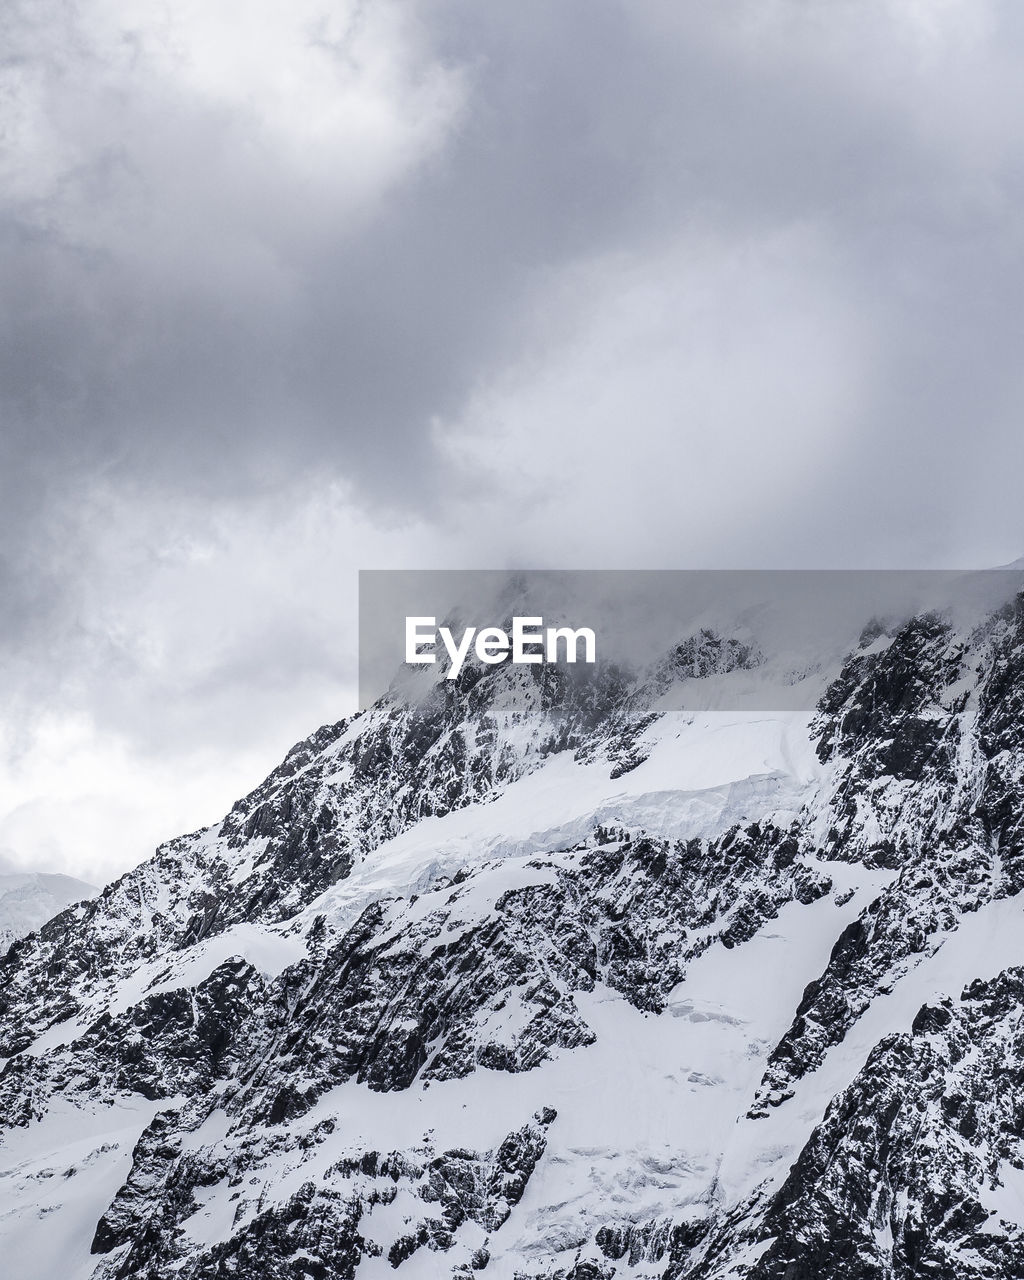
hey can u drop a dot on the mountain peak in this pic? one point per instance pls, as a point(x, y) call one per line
point(28, 899)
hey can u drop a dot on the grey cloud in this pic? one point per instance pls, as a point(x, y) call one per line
point(131, 360)
point(588, 129)
point(190, 315)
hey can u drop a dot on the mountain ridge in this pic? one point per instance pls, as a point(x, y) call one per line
point(624, 972)
point(29, 898)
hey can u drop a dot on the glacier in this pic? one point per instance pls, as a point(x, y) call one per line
point(560, 976)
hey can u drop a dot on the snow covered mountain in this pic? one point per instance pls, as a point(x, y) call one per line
point(29, 898)
point(556, 976)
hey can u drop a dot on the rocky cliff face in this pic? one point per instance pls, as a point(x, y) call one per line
point(547, 975)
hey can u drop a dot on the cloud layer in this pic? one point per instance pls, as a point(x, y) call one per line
point(293, 289)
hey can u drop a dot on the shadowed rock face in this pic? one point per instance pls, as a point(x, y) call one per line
point(902, 1176)
point(312, 1064)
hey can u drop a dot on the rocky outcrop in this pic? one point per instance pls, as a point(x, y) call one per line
point(300, 1044)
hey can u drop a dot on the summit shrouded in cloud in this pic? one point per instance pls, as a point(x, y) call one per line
point(29, 899)
point(292, 290)
point(561, 973)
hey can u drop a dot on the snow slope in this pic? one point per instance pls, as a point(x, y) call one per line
point(565, 981)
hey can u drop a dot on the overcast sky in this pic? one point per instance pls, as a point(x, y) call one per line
point(293, 288)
